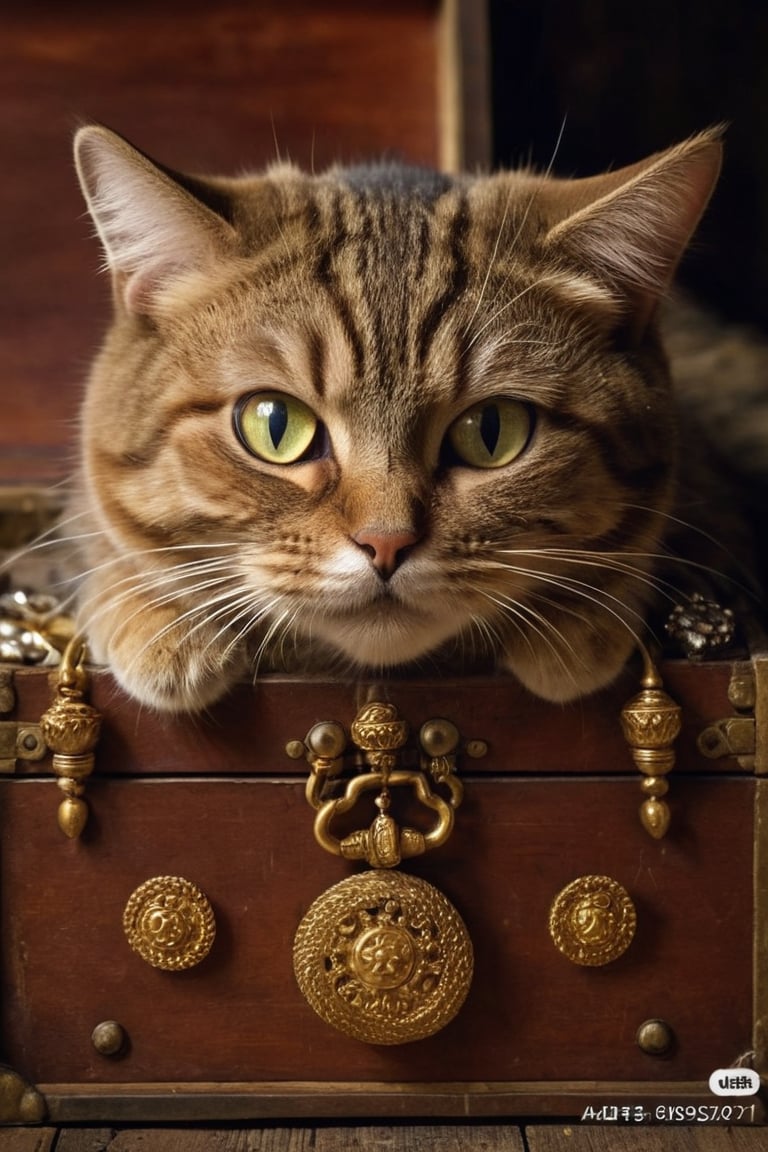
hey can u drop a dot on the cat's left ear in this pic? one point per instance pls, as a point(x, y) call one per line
point(630, 227)
point(154, 228)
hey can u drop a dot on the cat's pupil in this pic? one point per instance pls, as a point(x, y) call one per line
point(490, 427)
point(278, 421)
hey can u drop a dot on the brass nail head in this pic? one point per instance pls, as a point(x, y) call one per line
point(109, 1038)
point(655, 1037)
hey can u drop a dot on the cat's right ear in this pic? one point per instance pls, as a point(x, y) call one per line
point(155, 232)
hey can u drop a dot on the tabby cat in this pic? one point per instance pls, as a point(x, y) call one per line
point(382, 417)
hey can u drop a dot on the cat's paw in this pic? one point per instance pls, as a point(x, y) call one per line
point(584, 663)
point(163, 663)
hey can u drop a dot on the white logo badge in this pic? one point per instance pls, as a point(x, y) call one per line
point(734, 1082)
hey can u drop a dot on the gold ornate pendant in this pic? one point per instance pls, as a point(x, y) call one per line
point(382, 956)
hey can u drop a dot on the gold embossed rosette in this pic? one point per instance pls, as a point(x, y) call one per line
point(384, 957)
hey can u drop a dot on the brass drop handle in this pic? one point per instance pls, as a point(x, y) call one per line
point(379, 733)
point(384, 844)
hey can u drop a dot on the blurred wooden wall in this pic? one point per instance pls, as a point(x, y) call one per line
point(219, 86)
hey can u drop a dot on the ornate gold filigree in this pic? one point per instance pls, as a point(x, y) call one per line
point(651, 723)
point(70, 728)
point(384, 958)
point(592, 920)
point(379, 733)
point(169, 922)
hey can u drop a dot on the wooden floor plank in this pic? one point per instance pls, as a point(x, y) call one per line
point(212, 1140)
point(27, 1139)
point(399, 1138)
point(83, 1140)
point(416, 1138)
point(614, 1138)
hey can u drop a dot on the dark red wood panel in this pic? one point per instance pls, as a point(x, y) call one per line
point(249, 730)
point(531, 1014)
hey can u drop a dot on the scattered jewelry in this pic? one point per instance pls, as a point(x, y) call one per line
point(701, 627)
point(34, 628)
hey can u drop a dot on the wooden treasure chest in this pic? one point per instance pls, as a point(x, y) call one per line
point(195, 951)
point(356, 897)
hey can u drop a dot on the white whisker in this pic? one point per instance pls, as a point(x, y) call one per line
point(143, 587)
point(526, 619)
point(610, 562)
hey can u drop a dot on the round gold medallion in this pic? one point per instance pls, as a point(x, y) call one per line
point(170, 923)
point(592, 921)
point(384, 958)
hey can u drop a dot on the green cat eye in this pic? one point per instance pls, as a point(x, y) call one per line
point(275, 427)
point(492, 433)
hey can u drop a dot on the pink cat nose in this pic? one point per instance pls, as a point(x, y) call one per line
point(387, 550)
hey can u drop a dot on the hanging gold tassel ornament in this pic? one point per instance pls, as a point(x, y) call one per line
point(651, 723)
point(71, 729)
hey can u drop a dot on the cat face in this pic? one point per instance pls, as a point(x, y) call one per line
point(376, 417)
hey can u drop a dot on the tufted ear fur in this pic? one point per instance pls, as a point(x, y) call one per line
point(630, 227)
point(152, 223)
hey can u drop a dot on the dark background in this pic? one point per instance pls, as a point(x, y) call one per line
point(623, 80)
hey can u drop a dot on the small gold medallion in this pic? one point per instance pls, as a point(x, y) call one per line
point(592, 920)
point(169, 922)
point(383, 957)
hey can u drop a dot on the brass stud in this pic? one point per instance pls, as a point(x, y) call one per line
point(20, 1102)
point(109, 1038)
point(477, 749)
point(655, 1037)
point(326, 740)
point(439, 737)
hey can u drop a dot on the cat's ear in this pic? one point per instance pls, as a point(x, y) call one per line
point(153, 228)
point(630, 227)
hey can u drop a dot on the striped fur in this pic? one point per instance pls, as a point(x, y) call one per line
point(389, 301)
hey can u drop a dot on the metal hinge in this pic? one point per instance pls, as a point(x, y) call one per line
point(19, 741)
point(7, 691)
point(735, 735)
point(732, 737)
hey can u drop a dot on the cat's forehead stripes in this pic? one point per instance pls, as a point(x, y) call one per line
point(391, 268)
